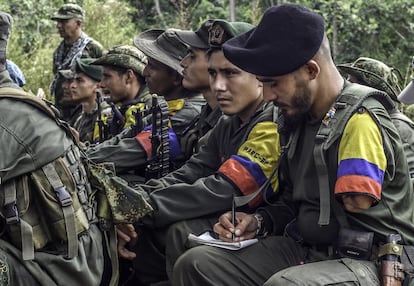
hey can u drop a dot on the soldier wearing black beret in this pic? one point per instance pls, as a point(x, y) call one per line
point(333, 194)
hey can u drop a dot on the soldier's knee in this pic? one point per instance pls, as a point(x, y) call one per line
point(190, 265)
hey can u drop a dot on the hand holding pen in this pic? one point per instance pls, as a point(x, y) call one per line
point(244, 227)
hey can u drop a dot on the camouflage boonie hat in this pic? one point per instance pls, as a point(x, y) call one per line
point(221, 31)
point(124, 56)
point(375, 74)
point(69, 11)
point(163, 46)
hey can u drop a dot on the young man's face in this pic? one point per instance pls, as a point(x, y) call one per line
point(83, 88)
point(160, 78)
point(195, 73)
point(67, 92)
point(237, 91)
point(113, 84)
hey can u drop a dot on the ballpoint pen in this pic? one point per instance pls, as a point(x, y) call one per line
point(233, 215)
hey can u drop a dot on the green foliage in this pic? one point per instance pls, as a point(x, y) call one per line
point(34, 36)
point(372, 28)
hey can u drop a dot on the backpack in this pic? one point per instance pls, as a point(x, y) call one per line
point(47, 204)
point(353, 98)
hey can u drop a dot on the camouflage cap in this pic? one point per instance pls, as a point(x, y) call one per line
point(124, 56)
point(374, 73)
point(67, 74)
point(196, 39)
point(221, 31)
point(69, 11)
point(163, 46)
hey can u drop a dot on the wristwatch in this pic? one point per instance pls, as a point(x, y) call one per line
point(260, 231)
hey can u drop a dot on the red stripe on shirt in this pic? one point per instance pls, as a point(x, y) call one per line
point(241, 177)
point(144, 138)
point(358, 184)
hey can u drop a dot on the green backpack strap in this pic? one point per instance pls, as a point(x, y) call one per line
point(66, 204)
point(351, 99)
point(12, 217)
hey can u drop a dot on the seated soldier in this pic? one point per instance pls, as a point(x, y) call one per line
point(163, 75)
point(195, 77)
point(238, 157)
point(84, 87)
point(123, 81)
point(67, 96)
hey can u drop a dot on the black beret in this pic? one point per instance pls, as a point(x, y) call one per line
point(287, 37)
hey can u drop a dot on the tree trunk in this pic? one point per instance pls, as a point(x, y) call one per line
point(158, 8)
point(232, 11)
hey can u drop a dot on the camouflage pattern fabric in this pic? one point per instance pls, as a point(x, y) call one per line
point(69, 11)
point(124, 56)
point(376, 74)
point(4, 272)
point(126, 204)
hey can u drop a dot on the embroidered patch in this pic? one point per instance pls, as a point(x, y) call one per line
point(216, 35)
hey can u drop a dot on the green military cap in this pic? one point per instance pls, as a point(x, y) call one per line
point(86, 66)
point(67, 74)
point(374, 73)
point(69, 11)
point(163, 46)
point(221, 31)
point(196, 39)
point(124, 56)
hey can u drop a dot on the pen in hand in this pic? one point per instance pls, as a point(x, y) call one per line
point(233, 216)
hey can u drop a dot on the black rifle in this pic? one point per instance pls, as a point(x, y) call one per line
point(118, 120)
point(158, 163)
point(101, 124)
point(138, 126)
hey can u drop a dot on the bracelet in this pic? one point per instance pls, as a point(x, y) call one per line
point(260, 227)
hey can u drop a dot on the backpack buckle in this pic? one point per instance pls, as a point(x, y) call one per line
point(11, 213)
point(63, 196)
